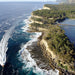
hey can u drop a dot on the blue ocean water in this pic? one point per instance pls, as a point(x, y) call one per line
point(13, 15)
point(14, 55)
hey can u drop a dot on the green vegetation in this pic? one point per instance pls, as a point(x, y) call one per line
point(36, 25)
point(63, 66)
point(58, 42)
point(37, 19)
point(67, 9)
point(57, 12)
point(50, 17)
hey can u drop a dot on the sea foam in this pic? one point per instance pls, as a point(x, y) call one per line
point(26, 58)
point(26, 27)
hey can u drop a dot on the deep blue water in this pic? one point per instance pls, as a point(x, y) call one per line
point(13, 14)
point(13, 39)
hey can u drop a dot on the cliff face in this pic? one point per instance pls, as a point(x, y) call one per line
point(35, 21)
point(46, 8)
point(44, 42)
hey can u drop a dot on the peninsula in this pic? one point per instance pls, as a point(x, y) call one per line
point(56, 47)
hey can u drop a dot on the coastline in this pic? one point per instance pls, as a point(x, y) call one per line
point(54, 60)
point(47, 52)
point(30, 53)
point(46, 55)
point(42, 46)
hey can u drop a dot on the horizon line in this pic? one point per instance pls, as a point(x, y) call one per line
point(27, 1)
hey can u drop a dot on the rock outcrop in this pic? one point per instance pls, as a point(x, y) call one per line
point(46, 8)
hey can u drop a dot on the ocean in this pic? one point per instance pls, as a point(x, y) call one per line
point(15, 57)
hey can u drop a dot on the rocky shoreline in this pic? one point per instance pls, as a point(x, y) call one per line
point(44, 54)
point(47, 53)
point(37, 55)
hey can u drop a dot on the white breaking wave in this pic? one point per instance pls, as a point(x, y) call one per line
point(30, 63)
point(26, 27)
point(26, 58)
point(3, 46)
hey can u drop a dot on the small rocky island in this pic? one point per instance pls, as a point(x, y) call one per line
point(56, 47)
